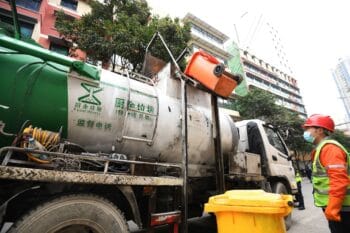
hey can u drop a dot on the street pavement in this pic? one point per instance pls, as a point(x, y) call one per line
point(310, 220)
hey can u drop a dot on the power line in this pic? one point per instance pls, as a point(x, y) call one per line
point(256, 28)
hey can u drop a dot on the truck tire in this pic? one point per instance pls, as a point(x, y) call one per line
point(71, 214)
point(280, 188)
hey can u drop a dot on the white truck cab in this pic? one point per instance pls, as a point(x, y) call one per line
point(262, 154)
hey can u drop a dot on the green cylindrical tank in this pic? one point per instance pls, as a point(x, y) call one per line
point(104, 111)
point(34, 85)
point(31, 89)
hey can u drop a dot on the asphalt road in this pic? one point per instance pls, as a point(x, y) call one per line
point(310, 220)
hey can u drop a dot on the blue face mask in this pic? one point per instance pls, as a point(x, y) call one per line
point(308, 137)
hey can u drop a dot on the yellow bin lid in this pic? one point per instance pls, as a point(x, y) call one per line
point(250, 201)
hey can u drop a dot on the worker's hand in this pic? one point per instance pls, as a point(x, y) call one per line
point(332, 211)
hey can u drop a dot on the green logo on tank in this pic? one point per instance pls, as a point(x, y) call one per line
point(90, 98)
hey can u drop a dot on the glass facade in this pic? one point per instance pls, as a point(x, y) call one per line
point(341, 76)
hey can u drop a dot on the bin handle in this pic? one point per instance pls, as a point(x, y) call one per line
point(238, 78)
point(208, 57)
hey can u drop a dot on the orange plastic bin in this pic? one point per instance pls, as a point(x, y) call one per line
point(207, 70)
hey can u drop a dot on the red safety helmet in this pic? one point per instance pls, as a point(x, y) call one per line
point(319, 120)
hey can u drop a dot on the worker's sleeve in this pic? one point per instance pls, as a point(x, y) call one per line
point(333, 159)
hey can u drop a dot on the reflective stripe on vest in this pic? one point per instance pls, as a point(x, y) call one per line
point(320, 179)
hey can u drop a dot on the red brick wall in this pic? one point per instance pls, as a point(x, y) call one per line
point(46, 19)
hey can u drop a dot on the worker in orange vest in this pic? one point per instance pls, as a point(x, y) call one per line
point(330, 172)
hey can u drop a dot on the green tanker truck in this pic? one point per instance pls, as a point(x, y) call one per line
point(85, 150)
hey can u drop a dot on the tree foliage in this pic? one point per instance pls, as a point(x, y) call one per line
point(259, 104)
point(341, 138)
point(122, 27)
point(173, 32)
point(262, 105)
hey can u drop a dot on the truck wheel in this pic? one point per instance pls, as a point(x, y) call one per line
point(280, 188)
point(71, 214)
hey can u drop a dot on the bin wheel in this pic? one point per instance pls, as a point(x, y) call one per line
point(219, 70)
point(280, 188)
point(73, 213)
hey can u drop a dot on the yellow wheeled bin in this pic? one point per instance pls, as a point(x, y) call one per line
point(250, 211)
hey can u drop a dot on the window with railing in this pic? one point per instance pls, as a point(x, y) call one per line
point(29, 4)
point(70, 4)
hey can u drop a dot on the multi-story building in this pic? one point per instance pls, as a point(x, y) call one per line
point(341, 76)
point(37, 21)
point(260, 74)
point(256, 72)
point(207, 38)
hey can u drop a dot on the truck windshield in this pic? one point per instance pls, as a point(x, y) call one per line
point(275, 140)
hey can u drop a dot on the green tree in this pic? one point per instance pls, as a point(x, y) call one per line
point(341, 138)
point(122, 27)
point(262, 105)
point(292, 131)
point(259, 104)
point(173, 32)
point(228, 103)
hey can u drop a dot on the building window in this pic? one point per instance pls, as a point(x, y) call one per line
point(206, 35)
point(59, 49)
point(29, 4)
point(25, 27)
point(70, 4)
